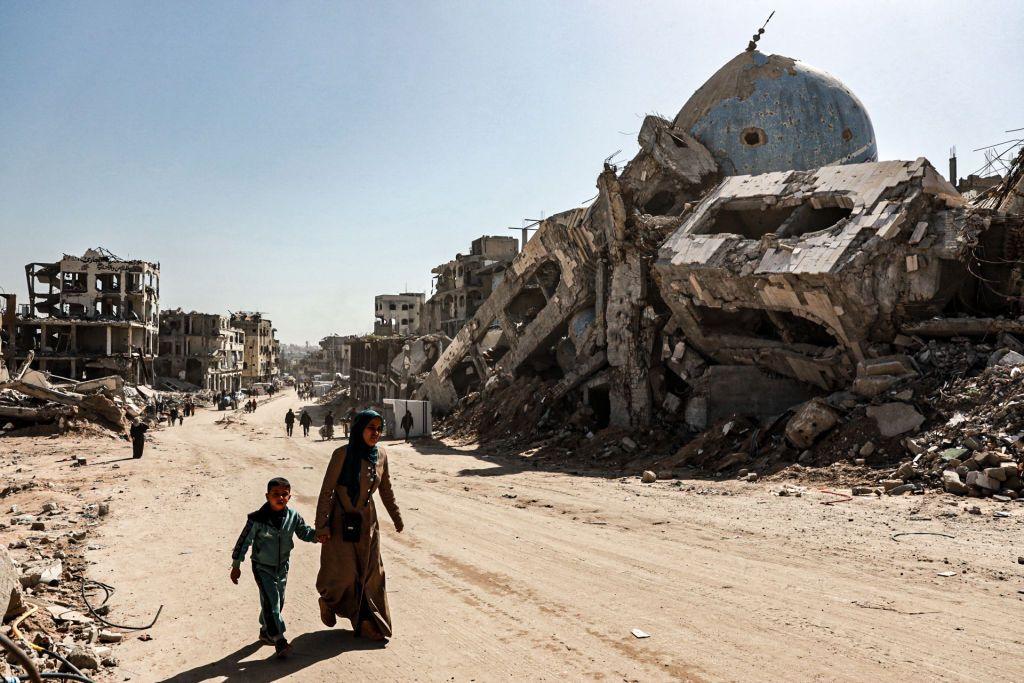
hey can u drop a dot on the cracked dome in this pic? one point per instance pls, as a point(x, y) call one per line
point(760, 113)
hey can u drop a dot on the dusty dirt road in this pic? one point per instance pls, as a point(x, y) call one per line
point(509, 573)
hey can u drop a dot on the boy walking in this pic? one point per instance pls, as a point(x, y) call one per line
point(269, 530)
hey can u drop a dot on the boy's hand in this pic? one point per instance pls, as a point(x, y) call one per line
point(235, 573)
point(323, 537)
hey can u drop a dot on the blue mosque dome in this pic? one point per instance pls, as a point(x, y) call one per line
point(760, 113)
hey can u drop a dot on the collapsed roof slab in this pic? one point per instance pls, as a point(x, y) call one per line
point(801, 271)
point(550, 279)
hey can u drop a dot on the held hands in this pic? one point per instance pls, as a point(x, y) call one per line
point(323, 537)
point(235, 573)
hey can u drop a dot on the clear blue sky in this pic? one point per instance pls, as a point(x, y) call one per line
point(298, 158)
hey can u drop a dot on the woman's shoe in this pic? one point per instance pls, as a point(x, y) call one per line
point(368, 630)
point(327, 614)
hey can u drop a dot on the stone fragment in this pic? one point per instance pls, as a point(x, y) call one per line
point(810, 421)
point(862, 490)
point(1010, 359)
point(869, 387)
point(953, 454)
point(867, 449)
point(10, 587)
point(648, 477)
point(952, 483)
point(628, 443)
point(903, 488)
point(906, 471)
point(752, 476)
point(890, 484)
point(110, 637)
point(83, 657)
point(38, 526)
point(997, 473)
point(895, 418)
point(104, 509)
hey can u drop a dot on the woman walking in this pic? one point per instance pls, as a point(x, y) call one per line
point(351, 579)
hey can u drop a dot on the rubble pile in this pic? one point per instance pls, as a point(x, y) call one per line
point(747, 302)
point(30, 404)
point(42, 587)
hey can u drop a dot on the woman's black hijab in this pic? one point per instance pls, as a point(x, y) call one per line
point(356, 452)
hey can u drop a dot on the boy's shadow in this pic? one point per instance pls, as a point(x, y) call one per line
point(308, 649)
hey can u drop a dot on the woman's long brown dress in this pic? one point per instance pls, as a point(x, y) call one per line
point(351, 578)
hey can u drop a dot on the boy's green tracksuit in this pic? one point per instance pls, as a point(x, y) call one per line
point(270, 534)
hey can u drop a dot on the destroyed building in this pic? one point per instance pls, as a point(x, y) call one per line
point(90, 316)
point(465, 282)
point(201, 349)
point(261, 347)
point(752, 255)
point(397, 313)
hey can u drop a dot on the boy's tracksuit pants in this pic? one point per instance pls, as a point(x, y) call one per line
point(271, 583)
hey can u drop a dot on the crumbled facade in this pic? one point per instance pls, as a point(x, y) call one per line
point(397, 313)
point(465, 282)
point(91, 316)
point(261, 348)
point(202, 349)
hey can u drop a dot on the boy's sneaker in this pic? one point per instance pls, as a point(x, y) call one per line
point(327, 614)
point(265, 639)
point(283, 647)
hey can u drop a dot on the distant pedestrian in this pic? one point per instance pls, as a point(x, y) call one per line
point(305, 420)
point(181, 418)
point(174, 415)
point(138, 435)
point(289, 421)
point(329, 425)
point(407, 422)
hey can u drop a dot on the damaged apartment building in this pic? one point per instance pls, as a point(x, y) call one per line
point(753, 254)
point(259, 360)
point(89, 316)
point(202, 350)
point(465, 282)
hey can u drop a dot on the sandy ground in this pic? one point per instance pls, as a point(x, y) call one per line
point(507, 572)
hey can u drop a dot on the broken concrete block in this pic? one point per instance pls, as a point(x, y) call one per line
point(894, 419)
point(869, 387)
point(983, 481)
point(810, 421)
point(1010, 359)
point(900, 365)
point(10, 587)
point(997, 473)
point(84, 658)
point(952, 484)
point(906, 471)
point(648, 477)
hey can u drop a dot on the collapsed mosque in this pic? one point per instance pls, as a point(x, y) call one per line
point(753, 255)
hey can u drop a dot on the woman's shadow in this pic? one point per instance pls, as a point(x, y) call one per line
point(308, 649)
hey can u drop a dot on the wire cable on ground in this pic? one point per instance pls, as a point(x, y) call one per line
point(22, 657)
point(109, 590)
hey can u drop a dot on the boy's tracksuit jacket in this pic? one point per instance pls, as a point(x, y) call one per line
point(271, 536)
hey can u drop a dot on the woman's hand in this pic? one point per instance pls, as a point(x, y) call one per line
point(323, 537)
point(399, 525)
point(235, 573)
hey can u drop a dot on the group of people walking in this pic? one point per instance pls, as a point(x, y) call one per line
point(304, 419)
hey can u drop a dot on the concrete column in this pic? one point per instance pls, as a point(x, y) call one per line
point(109, 341)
